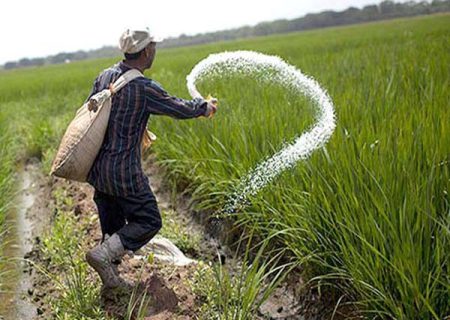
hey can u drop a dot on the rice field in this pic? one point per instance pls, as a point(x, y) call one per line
point(369, 213)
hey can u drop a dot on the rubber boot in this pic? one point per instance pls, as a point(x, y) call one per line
point(115, 261)
point(100, 258)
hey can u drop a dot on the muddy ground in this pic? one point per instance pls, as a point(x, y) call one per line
point(169, 287)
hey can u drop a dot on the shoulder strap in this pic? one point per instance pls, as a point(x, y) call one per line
point(124, 79)
point(98, 98)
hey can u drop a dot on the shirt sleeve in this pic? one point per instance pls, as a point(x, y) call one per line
point(159, 102)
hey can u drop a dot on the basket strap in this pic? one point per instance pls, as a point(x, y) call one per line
point(124, 79)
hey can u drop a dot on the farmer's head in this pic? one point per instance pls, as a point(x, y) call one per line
point(139, 46)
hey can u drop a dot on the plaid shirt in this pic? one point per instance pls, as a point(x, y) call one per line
point(117, 169)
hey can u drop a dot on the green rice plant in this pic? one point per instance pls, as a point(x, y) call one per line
point(370, 208)
point(77, 297)
point(7, 167)
point(238, 294)
point(139, 301)
point(137, 306)
point(80, 297)
point(4, 273)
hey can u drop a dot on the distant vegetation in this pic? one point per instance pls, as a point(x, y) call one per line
point(385, 10)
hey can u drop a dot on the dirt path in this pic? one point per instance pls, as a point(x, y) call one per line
point(169, 286)
point(25, 222)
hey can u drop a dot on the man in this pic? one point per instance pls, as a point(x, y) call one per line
point(129, 215)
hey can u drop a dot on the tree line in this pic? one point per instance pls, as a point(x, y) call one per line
point(385, 10)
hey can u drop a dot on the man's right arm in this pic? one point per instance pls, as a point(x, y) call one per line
point(159, 102)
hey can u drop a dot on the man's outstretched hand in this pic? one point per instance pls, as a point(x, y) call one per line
point(211, 107)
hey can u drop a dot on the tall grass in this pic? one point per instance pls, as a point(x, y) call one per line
point(75, 296)
point(6, 187)
point(6, 171)
point(373, 206)
point(371, 209)
point(238, 294)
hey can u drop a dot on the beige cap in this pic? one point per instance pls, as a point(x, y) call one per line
point(132, 41)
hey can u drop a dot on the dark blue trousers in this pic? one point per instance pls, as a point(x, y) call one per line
point(134, 218)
